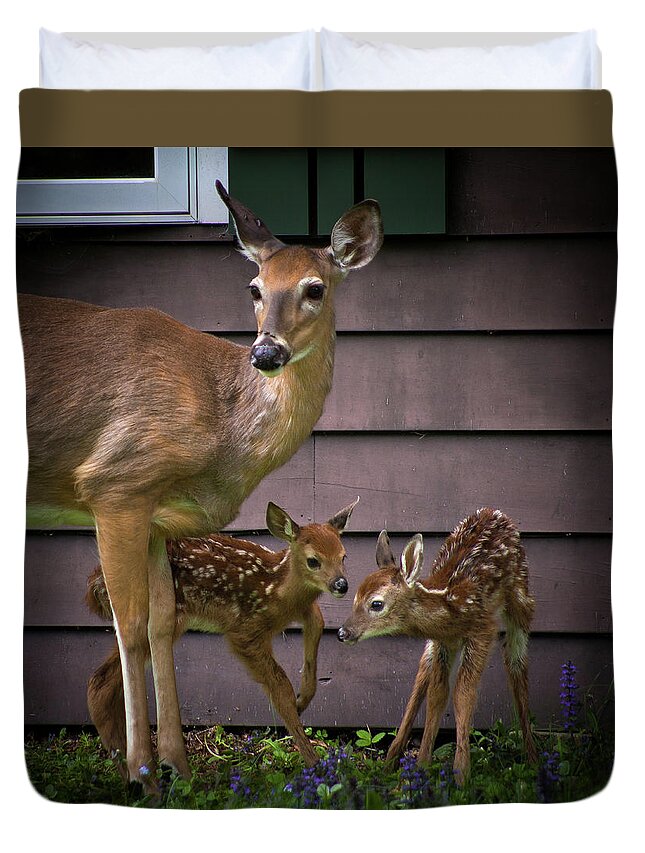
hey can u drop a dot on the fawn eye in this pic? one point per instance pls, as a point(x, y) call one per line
point(377, 605)
point(315, 292)
point(313, 563)
point(256, 294)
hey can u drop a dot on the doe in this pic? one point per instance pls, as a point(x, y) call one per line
point(238, 588)
point(150, 430)
point(479, 574)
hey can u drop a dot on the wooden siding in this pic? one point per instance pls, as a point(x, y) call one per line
point(436, 284)
point(472, 368)
point(568, 579)
point(356, 688)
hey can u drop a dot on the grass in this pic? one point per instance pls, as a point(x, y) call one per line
point(260, 768)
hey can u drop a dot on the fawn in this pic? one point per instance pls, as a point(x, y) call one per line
point(240, 589)
point(151, 430)
point(479, 573)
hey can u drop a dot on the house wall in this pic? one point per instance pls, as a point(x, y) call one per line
point(473, 368)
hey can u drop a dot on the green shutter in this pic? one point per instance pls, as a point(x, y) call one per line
point(275, 184)
point(335, 186)
point(409, 184)
point(272, 182)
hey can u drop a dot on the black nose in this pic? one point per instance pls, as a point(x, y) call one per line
point(269, 355)
point(339, 586)
point(343, 634)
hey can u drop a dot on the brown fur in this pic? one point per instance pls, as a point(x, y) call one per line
point(479, 574)
point(153, 431)
point(240, 589)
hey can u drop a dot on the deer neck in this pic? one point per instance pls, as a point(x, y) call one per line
point(277, 413)
point(430, 613)
point(294, 591)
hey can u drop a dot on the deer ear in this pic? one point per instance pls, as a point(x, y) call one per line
point(257, 242)
point(384, 555)
point(357, 236)
point(280, 524)
point(412, 560)
point(340, 520)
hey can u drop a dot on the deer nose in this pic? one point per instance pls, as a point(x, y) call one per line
point(343, 634)
point(339, 586)
point(268, 354)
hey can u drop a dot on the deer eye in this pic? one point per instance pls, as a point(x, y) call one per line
point(256, 294)
point(377, 605)
point(313, 563)
point(315, 292)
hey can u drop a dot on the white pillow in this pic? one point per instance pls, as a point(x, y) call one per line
point(284, 62)
point(564, 62)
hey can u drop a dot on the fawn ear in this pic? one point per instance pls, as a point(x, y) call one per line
point(412, 560)
point(384, 555)
point(280, 524)
point(340, 520)
point(257, 242)
point(357, 236)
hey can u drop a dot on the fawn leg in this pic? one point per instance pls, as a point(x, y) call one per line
point(106, 705)
point(265, 669)
point(312, 624)
point(122, 537)
point(437, 692)
point(417, 696)
point(161, 635)
point(474, 656)
point(516, 664)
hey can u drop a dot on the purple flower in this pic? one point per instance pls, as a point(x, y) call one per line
point(328, 772)
point(415, 784)
point(548, 776)
point(237, 786)
point(568, 697)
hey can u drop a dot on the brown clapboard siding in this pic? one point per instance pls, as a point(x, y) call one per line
point(547, 482)
point(414, 284)
point(367, 684)
point(569, 577)
point(535, 191)
point(471, 382)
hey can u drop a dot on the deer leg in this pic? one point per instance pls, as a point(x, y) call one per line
point(161, 634)
point(474, 656)
point(122, 537)
point(313, 624)
point(437, 692)
point(417, 696)
point(516, 664)
point(264, 669)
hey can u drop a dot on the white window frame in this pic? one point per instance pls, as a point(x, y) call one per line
point(181, 191)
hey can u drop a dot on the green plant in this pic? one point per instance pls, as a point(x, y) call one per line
point(262, 768)
point(364, 738)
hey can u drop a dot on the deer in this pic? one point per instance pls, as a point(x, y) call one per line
point(241, 589)
point(479, 575)
point(150, 430)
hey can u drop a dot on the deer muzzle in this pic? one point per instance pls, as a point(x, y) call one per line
point(338, 587)
point(346, 635)
point(269, 355)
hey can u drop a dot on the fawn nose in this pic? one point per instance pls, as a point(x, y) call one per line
point(338, 586)
point(343, 634)
point(269, 354)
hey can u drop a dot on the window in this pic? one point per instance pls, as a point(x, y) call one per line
point(60, 186)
